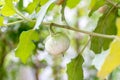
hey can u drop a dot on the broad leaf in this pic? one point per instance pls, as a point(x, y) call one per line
point(74, 68)
point(20, 5)
point(1, 20)
point(35, 4)
point(26, 45)
point(42, 2)
point(31, 7)
point(8, 8)
point(92, 3)
point(15, 0)
point(95, 4)
point(106, 25)
point(72, 3)
point(118, 26)
point(2, 2)
point(42, 13)
point(112, 61)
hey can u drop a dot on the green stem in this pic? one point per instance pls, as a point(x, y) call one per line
point(51, 30)
point(113, 3)
point(64, 26)
point(70, 28)
point(13, 23)
point(85, 46)
point(20, 14)
point(82, 31)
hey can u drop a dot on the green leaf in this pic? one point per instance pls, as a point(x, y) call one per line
point(43, 2)
point(106, 25)
point(31, 7)
point(92, 3)
point(42, 13)
point(8, 8)
point(40, 4)
point(1, 20)
point(26, 45)
point(74, 68)
point(35, 5)
point(95, 4)
point(20, 5)
point(72, 3)
point(2, 2)
point(15, 0)
point(112, 60)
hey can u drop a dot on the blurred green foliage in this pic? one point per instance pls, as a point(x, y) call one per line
point(31, 51)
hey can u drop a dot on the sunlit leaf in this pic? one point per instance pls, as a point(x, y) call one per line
point(42, 13)
point(112, 61)
point(106, 25)
point(72, 3)
point(1, 20)
point(7, 11)
point(74, 68)
point(8, 8)
point(118, 26)
point(92, 3)
point(15, 0)
point(31, 7)
point(26, 45)
point(2, 2)
point(42, 2)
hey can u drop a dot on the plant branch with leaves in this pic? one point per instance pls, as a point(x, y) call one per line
point(105, 36)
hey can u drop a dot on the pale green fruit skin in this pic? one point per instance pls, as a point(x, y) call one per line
point(57, 43)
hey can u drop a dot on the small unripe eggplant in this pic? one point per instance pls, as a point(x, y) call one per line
point(57, 43)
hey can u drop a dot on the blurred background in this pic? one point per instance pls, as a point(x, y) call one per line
point(41, 65)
